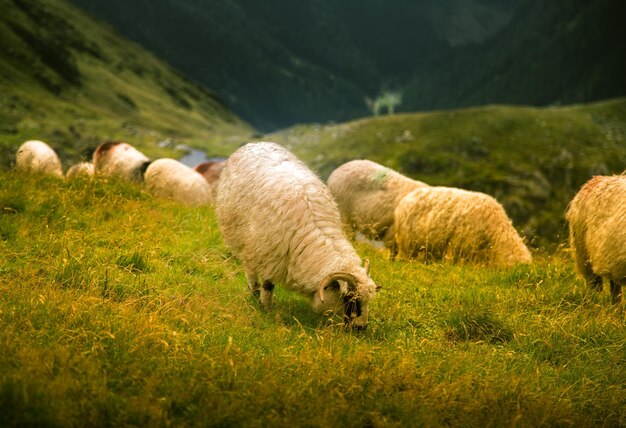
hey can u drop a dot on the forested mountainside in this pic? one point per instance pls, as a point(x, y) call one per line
point(557, 52)
point(277, 62)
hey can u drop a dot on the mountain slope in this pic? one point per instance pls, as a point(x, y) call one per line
point(278, 63)
point(550, 53)
point(72, 82)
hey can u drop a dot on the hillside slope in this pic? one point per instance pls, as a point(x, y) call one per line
point(278, 63)
point(532, 160)
point(73, 82)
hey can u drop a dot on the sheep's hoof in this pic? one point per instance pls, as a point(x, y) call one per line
point(355, 327)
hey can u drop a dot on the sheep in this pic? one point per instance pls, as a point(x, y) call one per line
point(169, 178)
point(367, 194)
point(450, 223)
point(116, 158)
point(37, 156)
point(597, 232)
point(211, 171)
point(282, 222)
point(82, 169)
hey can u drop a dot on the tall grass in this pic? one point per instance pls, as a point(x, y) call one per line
point(118, 309)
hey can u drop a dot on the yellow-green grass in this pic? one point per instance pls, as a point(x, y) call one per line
point(119, 309)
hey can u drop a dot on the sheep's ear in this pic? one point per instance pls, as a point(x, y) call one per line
point(366, 265)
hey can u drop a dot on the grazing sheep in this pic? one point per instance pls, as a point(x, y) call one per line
point(456, 224)
point(282, 222)
point(115, 158)
point(169, 178)
point(82, 169)
point(37, 156)
point(367, 195)
point(597, 231)
point(211, 171)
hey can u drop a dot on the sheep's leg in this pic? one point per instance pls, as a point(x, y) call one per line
point(616, 291)
point(584, 267)
point(266, 295)
point(594, 281)
point(253, 285)
point(389, 240)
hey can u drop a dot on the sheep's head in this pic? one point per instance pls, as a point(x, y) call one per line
point(350, 293)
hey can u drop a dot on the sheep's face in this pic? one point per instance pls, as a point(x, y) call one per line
point(351, 303)
point(356, 306)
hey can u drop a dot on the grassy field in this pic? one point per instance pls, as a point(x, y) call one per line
point(117, 309)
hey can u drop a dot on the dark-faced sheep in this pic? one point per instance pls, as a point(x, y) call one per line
point(597, 231)
point(37, 156)
point(119, 159)
point(171, 179)
point(282, 222)
point(437, 223)
point(367, 195)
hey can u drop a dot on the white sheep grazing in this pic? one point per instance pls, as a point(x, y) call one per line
point(597, 231)
point(115, 158)
point(169, 178)
point(37, 156)
point(459, 225)
point(82, 169)
point(211, 171)
point(282, 222)
point(367, 195)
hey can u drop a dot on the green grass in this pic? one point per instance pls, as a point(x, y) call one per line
point(119, 309)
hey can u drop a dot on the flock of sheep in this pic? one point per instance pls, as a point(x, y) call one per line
point(289, 228)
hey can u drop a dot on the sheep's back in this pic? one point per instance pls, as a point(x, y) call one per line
point(169, 178)
point(37, 156)
point(597, 223)
point(458, 224)
point(274, 213)
point(367, 194)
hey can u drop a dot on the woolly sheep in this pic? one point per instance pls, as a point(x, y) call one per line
point(367, 195)
point(211, 171)
point(282, 222)
point(456, 224)
point(116, 158)
point(169, 178)
point(82, 169)
point(597, 231)
point(37, 156)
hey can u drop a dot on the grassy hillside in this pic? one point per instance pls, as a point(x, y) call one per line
point(72, 82)
point(532, 160)
point(117, 309)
